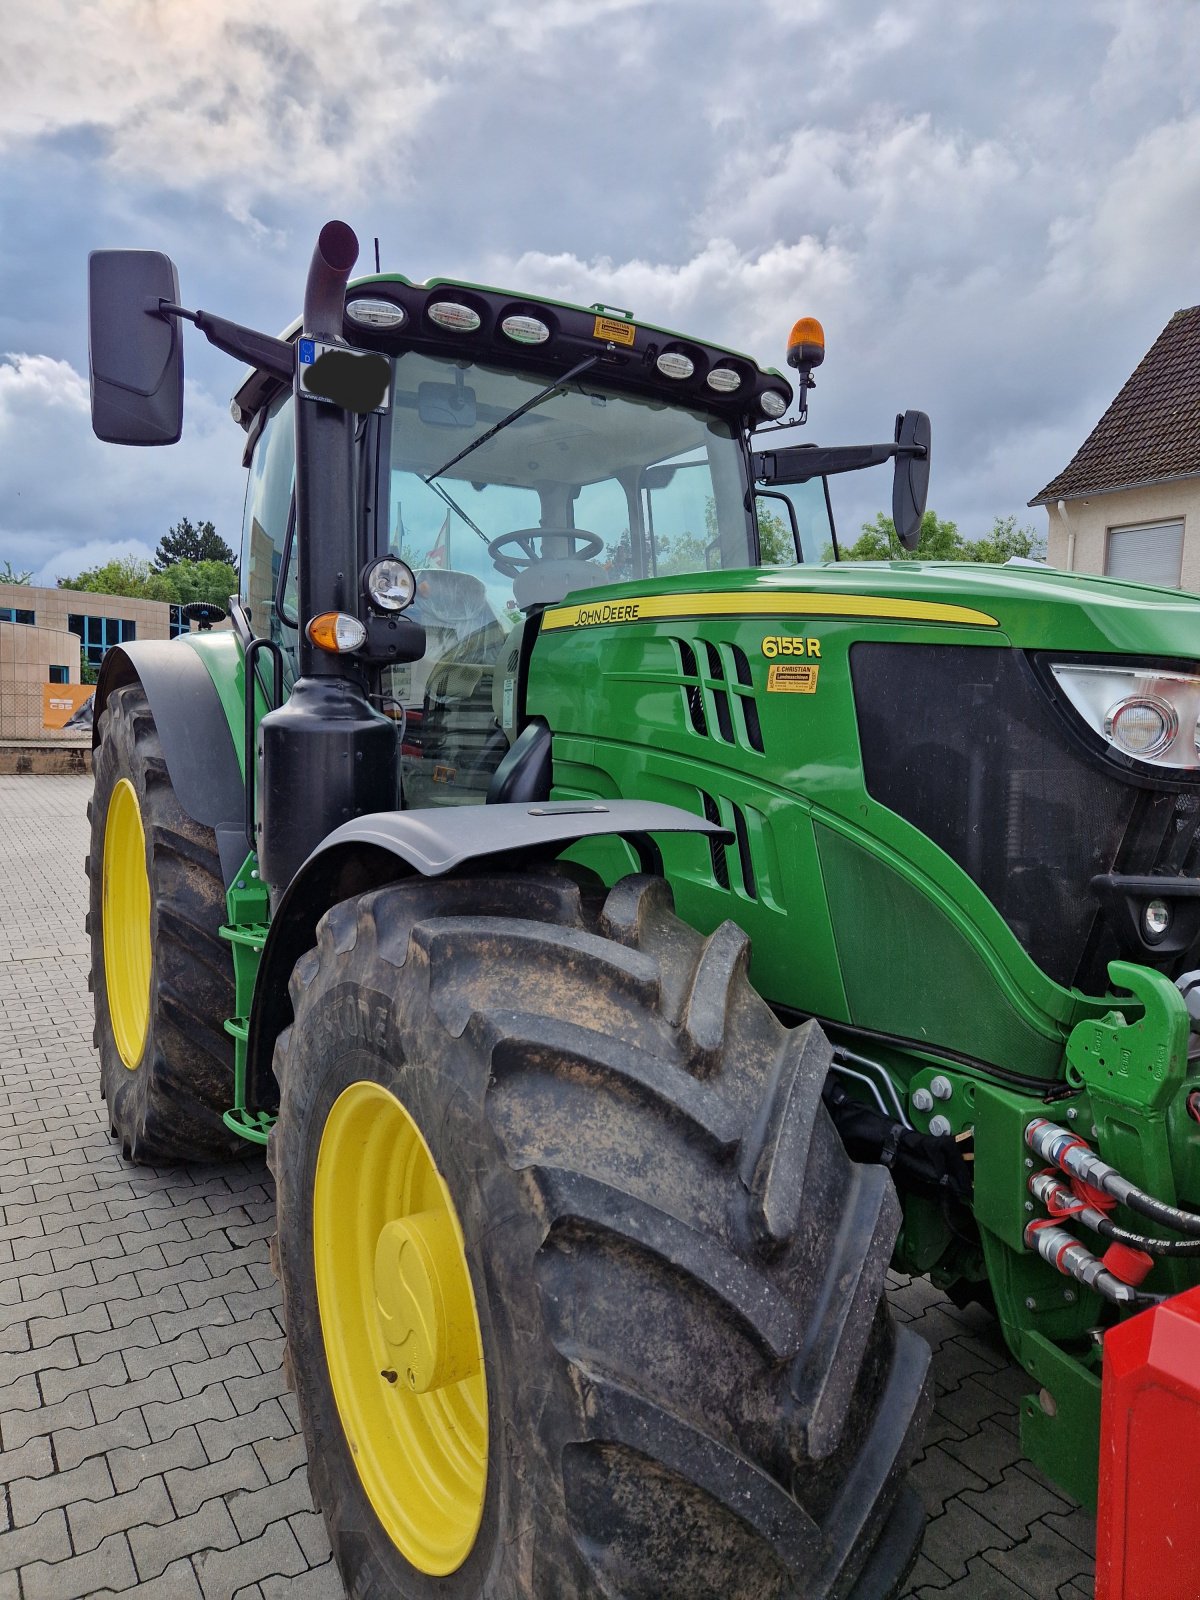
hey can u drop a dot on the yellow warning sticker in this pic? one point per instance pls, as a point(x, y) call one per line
point(792, 679)
point(614, 330)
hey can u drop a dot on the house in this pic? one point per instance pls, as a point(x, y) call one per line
point(45, 637)
point(1128, 503)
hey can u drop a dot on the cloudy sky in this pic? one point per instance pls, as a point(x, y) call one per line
point(992, 205)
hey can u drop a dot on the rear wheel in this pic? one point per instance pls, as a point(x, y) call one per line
point(583, 1296)
point(161, 977)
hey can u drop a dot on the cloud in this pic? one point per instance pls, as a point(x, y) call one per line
point(65, 497)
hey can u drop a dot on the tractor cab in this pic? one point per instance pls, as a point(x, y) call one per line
point(510, 478)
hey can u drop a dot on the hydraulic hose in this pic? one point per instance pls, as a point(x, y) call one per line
point(1061, 1201)
point(1066, 1150)
point(1074, 1260)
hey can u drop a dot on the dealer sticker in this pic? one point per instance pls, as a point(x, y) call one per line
point(790, 678)
point(614, 330)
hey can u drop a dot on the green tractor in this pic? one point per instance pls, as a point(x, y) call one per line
point(628, 936)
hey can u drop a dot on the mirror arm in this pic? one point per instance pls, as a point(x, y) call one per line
point(802, 463)
point(258, 350)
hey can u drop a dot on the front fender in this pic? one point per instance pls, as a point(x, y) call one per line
point(193, 729)
point(382, 848)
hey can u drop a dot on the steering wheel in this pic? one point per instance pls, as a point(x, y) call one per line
point(512, 566)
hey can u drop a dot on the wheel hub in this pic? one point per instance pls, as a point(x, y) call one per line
point(423, 1296)
point(400, 1329)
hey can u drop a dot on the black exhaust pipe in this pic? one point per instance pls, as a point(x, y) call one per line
point(328, 274)
point(327, 755)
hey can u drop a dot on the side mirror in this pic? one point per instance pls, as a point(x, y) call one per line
point(910, 486)
point(135, 353)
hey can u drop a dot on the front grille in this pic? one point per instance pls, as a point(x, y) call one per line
point(963, 743)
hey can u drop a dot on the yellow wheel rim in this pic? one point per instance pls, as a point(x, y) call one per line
point(400, 1328)
point(126, 923)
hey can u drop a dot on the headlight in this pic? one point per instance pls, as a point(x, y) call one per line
point(1151, 716)
point(389, 583)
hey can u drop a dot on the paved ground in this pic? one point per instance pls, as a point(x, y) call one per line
point(147, 1440)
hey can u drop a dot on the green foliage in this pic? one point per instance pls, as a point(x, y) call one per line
point(125, 575)
point(9, 574)
point(941, 541)
point(775, 545)
point(213, 581)
point(191, 543)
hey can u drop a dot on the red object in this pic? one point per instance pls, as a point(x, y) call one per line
point(1147, 1529)
point(1126, 1263)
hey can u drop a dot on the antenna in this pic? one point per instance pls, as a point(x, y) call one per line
point(377, 254)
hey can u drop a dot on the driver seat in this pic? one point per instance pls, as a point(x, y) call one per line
point(545, 583)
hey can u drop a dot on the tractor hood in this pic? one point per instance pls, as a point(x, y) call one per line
point(1031, 607)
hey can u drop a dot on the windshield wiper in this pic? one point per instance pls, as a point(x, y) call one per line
point(543, 394)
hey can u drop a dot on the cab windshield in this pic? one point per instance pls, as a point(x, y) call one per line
point(589, 486)
point(662, 488)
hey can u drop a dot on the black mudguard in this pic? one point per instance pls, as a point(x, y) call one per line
point(201, 759)
point(371, 851)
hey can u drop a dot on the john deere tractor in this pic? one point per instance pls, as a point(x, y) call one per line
point(629, 934)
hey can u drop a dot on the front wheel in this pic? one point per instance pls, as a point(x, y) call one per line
point(161, 977)
point(583, 1296)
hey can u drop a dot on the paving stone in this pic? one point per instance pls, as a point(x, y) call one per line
point(1076, 1525)
point(57, 1384)
point(211, 1403)
point(129, 1466)
point(29, 1497)
point(92, 1521)
point(1041, 1564)
point(176, 1582)
point(958, 1534)
point(938, 1477)
point(156, 1386)
point(1017, 1502)
point(191, 1486)
point(266, 1421)
point(309, 1528)
point(73, 1412)
point(980, 1582)
point(274, 1553)
point(74, 1445)
point(110, 1563)
point(32, 1460)
point(321, 1583)
point(254, 1510)
point(46, 1539)
point(280, 1455)
point(238, 1362)
point(155, 1548)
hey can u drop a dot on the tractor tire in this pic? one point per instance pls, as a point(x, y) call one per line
point(161, 976)
point(681, 1377)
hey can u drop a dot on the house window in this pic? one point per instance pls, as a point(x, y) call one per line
point(1148, 552)
point(11, 614)
point(60, 675)
point(178, 622)
point(98, 634)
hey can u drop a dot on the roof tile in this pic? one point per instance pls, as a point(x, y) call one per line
point(1152, 429)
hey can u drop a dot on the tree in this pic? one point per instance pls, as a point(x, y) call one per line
point(187, 542)
point(941, 541)
point(776, 548)
point(125, 575)
point(212, 581)
point(9, 574)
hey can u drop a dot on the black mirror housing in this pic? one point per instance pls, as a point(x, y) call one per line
point(910, 486)
point(135, 352)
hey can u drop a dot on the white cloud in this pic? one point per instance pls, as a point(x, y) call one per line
point(66, 500)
